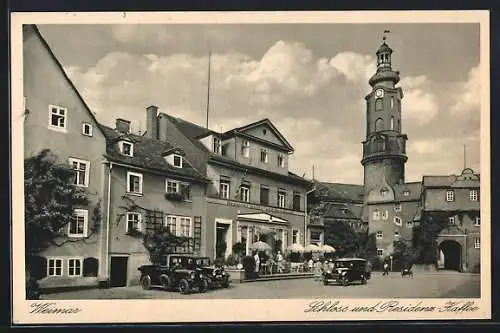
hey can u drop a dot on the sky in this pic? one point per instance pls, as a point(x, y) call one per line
point(310, 80)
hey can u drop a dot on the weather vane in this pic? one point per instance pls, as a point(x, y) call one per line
point(385, 34)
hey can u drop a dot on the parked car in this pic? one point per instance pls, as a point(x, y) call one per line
point(216, 276)
point(175, 272)
point(345, 271)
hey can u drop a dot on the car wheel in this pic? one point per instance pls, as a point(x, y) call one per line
point(203, 286)
point(345, 282)
point(325, 282)
point(225, 284)
point(146, 282)
point(166, 282)
point(184, 286)
point(363, 280)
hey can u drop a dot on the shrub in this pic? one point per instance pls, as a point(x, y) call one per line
point(249, 266)
point(232, 260)
point(239, 249)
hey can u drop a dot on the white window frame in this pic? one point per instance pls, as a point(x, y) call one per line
point(135, 174)
point(122, 143)
point(473, 195)
point(77, 175)
point(58, 128)
point(281, 199)
point(451, 220)
point(180, 159)
point(281, 160)
point(80, 260)
point(385, 215)
point(477, 222)
point(376, 215)
point(477, 243)
point(409, 224)
point(397, 207)
point(380, 252)
point(450, 195)
point(227, 187)
point(406, 193)
point(298, 236)
point(55, 259)
point(246, 189)
point(89, 126)
point(264, 152)
point(128, 219)
point(177, 185)
point(217, 145)
point(178, 224)
point(315, 240)
point(379, 235)
point(398, 221)
point(80, 213)
point(245, 148)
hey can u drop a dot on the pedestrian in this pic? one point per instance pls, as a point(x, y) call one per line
point(257, 263)
point(386, 269)
point(279, 259)
point(310, 264)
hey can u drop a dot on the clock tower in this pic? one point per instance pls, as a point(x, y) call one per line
point(384, 149)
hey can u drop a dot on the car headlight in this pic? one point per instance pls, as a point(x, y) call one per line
point(192, 275)
point(344, 273)
point(339, 271)
point(329, 272)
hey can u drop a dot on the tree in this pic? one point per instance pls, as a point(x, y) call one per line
point(404, 255)
point(342, 237)
point(50, 198)
point(160, 242)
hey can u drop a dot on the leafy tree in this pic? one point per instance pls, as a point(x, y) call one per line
point(342, 237)
point(404, 255)
point(50, 199)
point(425, 236)
point(160, 242)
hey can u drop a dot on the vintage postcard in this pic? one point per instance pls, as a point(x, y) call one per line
point(175, 167)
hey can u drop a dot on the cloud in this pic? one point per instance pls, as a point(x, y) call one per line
point(468, 94)
point(419, 103)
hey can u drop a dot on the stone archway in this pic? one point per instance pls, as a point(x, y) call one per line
point(451, 254)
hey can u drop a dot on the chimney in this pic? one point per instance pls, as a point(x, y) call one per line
point(152, 122)
point(122, 125)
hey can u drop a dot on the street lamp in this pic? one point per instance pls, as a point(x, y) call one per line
point(390, 257)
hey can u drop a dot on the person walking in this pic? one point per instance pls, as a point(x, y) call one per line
point(386, 269)
point(279, 259)
point(257, 263)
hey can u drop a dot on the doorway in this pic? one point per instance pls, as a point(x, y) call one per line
point(452, 253)
point(118, 271)
point(223, 238)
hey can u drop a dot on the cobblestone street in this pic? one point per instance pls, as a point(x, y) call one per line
point(423, 285)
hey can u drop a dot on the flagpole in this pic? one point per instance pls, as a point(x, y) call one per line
point(208, 83)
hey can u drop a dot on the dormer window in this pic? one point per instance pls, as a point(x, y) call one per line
point(383, 192)
point(406, 193)
point(281, 161)
point(127, 148)
point(217, 146)
point(177, 161)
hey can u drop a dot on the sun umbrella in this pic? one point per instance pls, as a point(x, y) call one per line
point(311, 248)
point(327, 249)
point(296, 248)
point(260, 246)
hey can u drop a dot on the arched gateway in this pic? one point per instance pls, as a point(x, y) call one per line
point(450, 255)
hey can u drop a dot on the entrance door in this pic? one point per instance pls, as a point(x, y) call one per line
point(118, 273)
point(223, 238)
point(452, 252)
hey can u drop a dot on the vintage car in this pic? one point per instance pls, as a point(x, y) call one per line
point(346, 270)
point(175, 272)
point(216, 276)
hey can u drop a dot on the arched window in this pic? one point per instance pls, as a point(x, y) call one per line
point(379, 104)
point(399, 125)
point(379, 125)
point(378, 144)
point(392, 103)
point(392, 123)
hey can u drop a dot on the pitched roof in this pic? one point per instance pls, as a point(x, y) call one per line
point(342, 211)
point(340, 192)
point(414, 191)
point(148, 154)
point(466, 179)
point(61, 68)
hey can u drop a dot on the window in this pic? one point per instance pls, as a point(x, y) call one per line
point(383, 192)
point(396, 234)
point(397, 207)
point(224, 189)
point(379, 104)
point(87, 129)
point(451, 220)
point(133, 221)
point(409, 224)
point(172, 186)
point(134, 183)
point(385, 215)
point(245, 149)
point(54, 267)
point(217, 146)
point(264, 195)
point(406, 193)
point(380, 252)
point(296, 201)
point(450, 195)
point(179, 225)
point(315, 237)
point(57, 118)
point(245, 193)
point(379, 125)
point(392, 102)
point(473, 195)
point(376, 215)
point(380, 234)
point(127, 148)
point(263, 156)
point(178, 161)
point(398, 221)
point(477, 221)
point(477, 243)
point(78, 225)
point(74, 267)
point(281, 161)
point(281, 199)
point(295, 236)
point(81, 171)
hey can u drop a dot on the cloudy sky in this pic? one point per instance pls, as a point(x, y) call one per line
point(309, 80)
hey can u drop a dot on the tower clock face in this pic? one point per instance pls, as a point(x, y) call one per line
point(379, 93)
